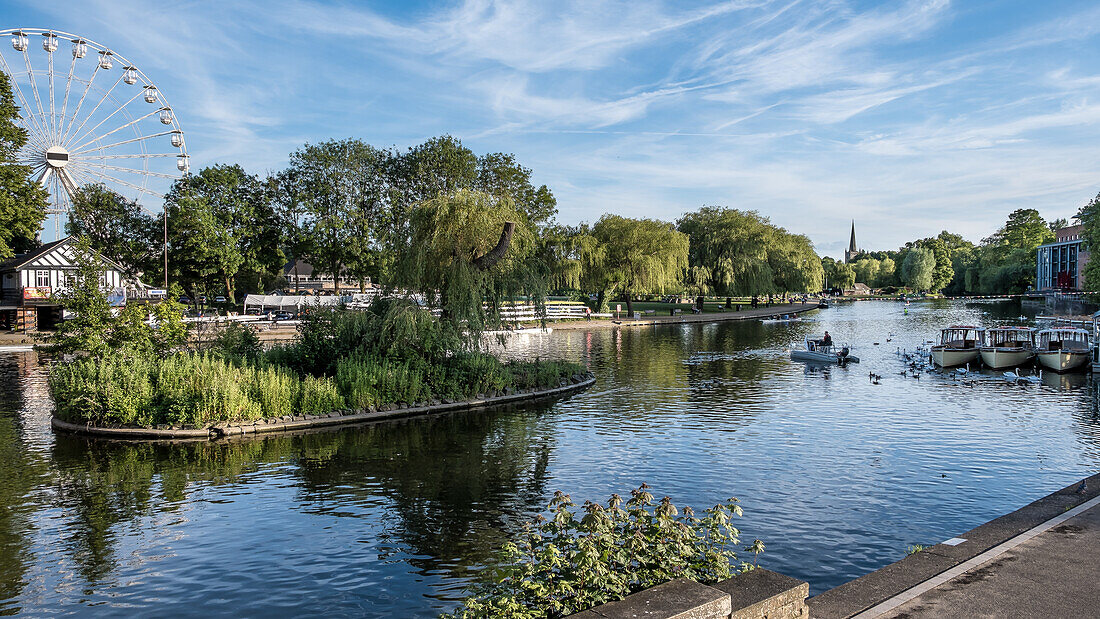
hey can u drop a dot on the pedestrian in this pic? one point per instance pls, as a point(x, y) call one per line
point(587, 313)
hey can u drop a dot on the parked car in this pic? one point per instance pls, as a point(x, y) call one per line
point(220, 299)
point(185, 300)
point(202, 298)
point(284, 316)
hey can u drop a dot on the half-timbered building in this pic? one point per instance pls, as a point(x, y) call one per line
point(28, 282)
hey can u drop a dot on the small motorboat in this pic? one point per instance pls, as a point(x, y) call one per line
point(1007, 347)
point(958, 345)
point(1063, 348)
point(816, 351)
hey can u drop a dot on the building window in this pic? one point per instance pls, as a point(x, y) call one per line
point(42, 279)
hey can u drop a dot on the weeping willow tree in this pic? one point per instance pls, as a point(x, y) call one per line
point(729, 251)
point(633, 256)
point(795, 265)
point(469, 253)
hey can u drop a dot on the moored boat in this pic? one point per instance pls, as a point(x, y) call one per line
point(817, 351)
point(958, 345)
point(1063, 348)
point(1007, 347)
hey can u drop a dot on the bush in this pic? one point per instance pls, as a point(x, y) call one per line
point(238, 342)
point(567, 563)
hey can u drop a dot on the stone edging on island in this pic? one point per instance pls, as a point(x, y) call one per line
point(577, 382)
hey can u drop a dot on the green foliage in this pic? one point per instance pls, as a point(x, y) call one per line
point(637, 256)
point(460, 261)
point(117, 228)
point(236, 341)
point(392, 353)
point(918, 270)
point(574, 561)
point(839, 275)
point(220, 221)
point(22, 201)
point(186, 389)
point(88, 330)
point(1089, 217)
point(914, 549)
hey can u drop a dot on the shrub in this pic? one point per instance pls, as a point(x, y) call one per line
point(238, 342)
point(566, 564)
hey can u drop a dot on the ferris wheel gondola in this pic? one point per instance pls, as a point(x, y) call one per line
point(91, 123)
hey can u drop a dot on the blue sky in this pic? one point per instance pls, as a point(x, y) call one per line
point(909, 117)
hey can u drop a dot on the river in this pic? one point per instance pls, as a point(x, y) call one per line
point(837, 475)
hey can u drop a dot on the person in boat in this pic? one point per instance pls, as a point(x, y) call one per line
point(827, 340)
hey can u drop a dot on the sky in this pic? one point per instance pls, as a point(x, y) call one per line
point(906, 117)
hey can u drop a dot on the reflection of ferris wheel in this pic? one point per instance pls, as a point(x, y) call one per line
point(88, 124)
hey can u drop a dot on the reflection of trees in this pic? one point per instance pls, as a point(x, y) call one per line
point(20, 472)
point(460, 483)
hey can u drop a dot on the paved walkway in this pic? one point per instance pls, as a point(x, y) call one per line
point(1042, 560)
point(746, 314)
point(1053, 573)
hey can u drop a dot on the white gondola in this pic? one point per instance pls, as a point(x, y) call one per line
point(80, 48)
point(49, 42)
point(182, 163)
point(150, 94)
point(105, 61)
point(958, 345)
point(19, 41)
point(1063, 349)
point(129, 75)
point(1007, 347)
point(165, 116)
point(816, 351)
point(177, 139)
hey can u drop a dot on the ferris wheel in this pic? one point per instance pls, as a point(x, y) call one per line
point(99, 120)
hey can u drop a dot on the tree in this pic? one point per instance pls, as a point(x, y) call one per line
point(886, 272)
point(89, 328)
point(794, 264)
point(118, 229)
point(1009, 253)
point(22, 201)
point(215, 224)
point(640, 256)
point(943, 272)
point(469, 253)
point(844, 276)
point(342, 189)
point(867, 271)
point(919, 267)
point(1089, 215)
point(728, 251)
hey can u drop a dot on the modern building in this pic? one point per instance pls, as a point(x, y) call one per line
point(300, 275)
point(852, 252)
point(28, 282)
point(1060, 265)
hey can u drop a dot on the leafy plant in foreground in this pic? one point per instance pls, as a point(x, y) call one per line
point(566, 564)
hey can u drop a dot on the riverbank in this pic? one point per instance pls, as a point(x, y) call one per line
point(1039, 560)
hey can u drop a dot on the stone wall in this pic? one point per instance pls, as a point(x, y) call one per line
point(757, 594)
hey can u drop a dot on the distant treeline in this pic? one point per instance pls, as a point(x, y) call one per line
point(1003, 263)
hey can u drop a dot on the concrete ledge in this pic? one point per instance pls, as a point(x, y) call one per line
point(677, 599)
point(869, 590)
point(757, 594)
point(303, 422)
point(764, 593)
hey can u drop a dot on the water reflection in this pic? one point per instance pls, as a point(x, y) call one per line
point(838, 474)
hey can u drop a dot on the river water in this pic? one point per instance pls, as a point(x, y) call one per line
point(837, 475)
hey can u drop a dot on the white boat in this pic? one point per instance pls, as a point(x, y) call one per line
point(1063, 348)
point(1007, 347)
point(815, 351)
point(958, 345)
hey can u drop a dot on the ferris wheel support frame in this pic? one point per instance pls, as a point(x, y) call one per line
point(61, 153)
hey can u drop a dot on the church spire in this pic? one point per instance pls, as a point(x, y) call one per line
point(852, 245)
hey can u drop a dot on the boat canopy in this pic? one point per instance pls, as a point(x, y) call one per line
point(1009, 337)
point(1062, 338)
point(960, 336)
